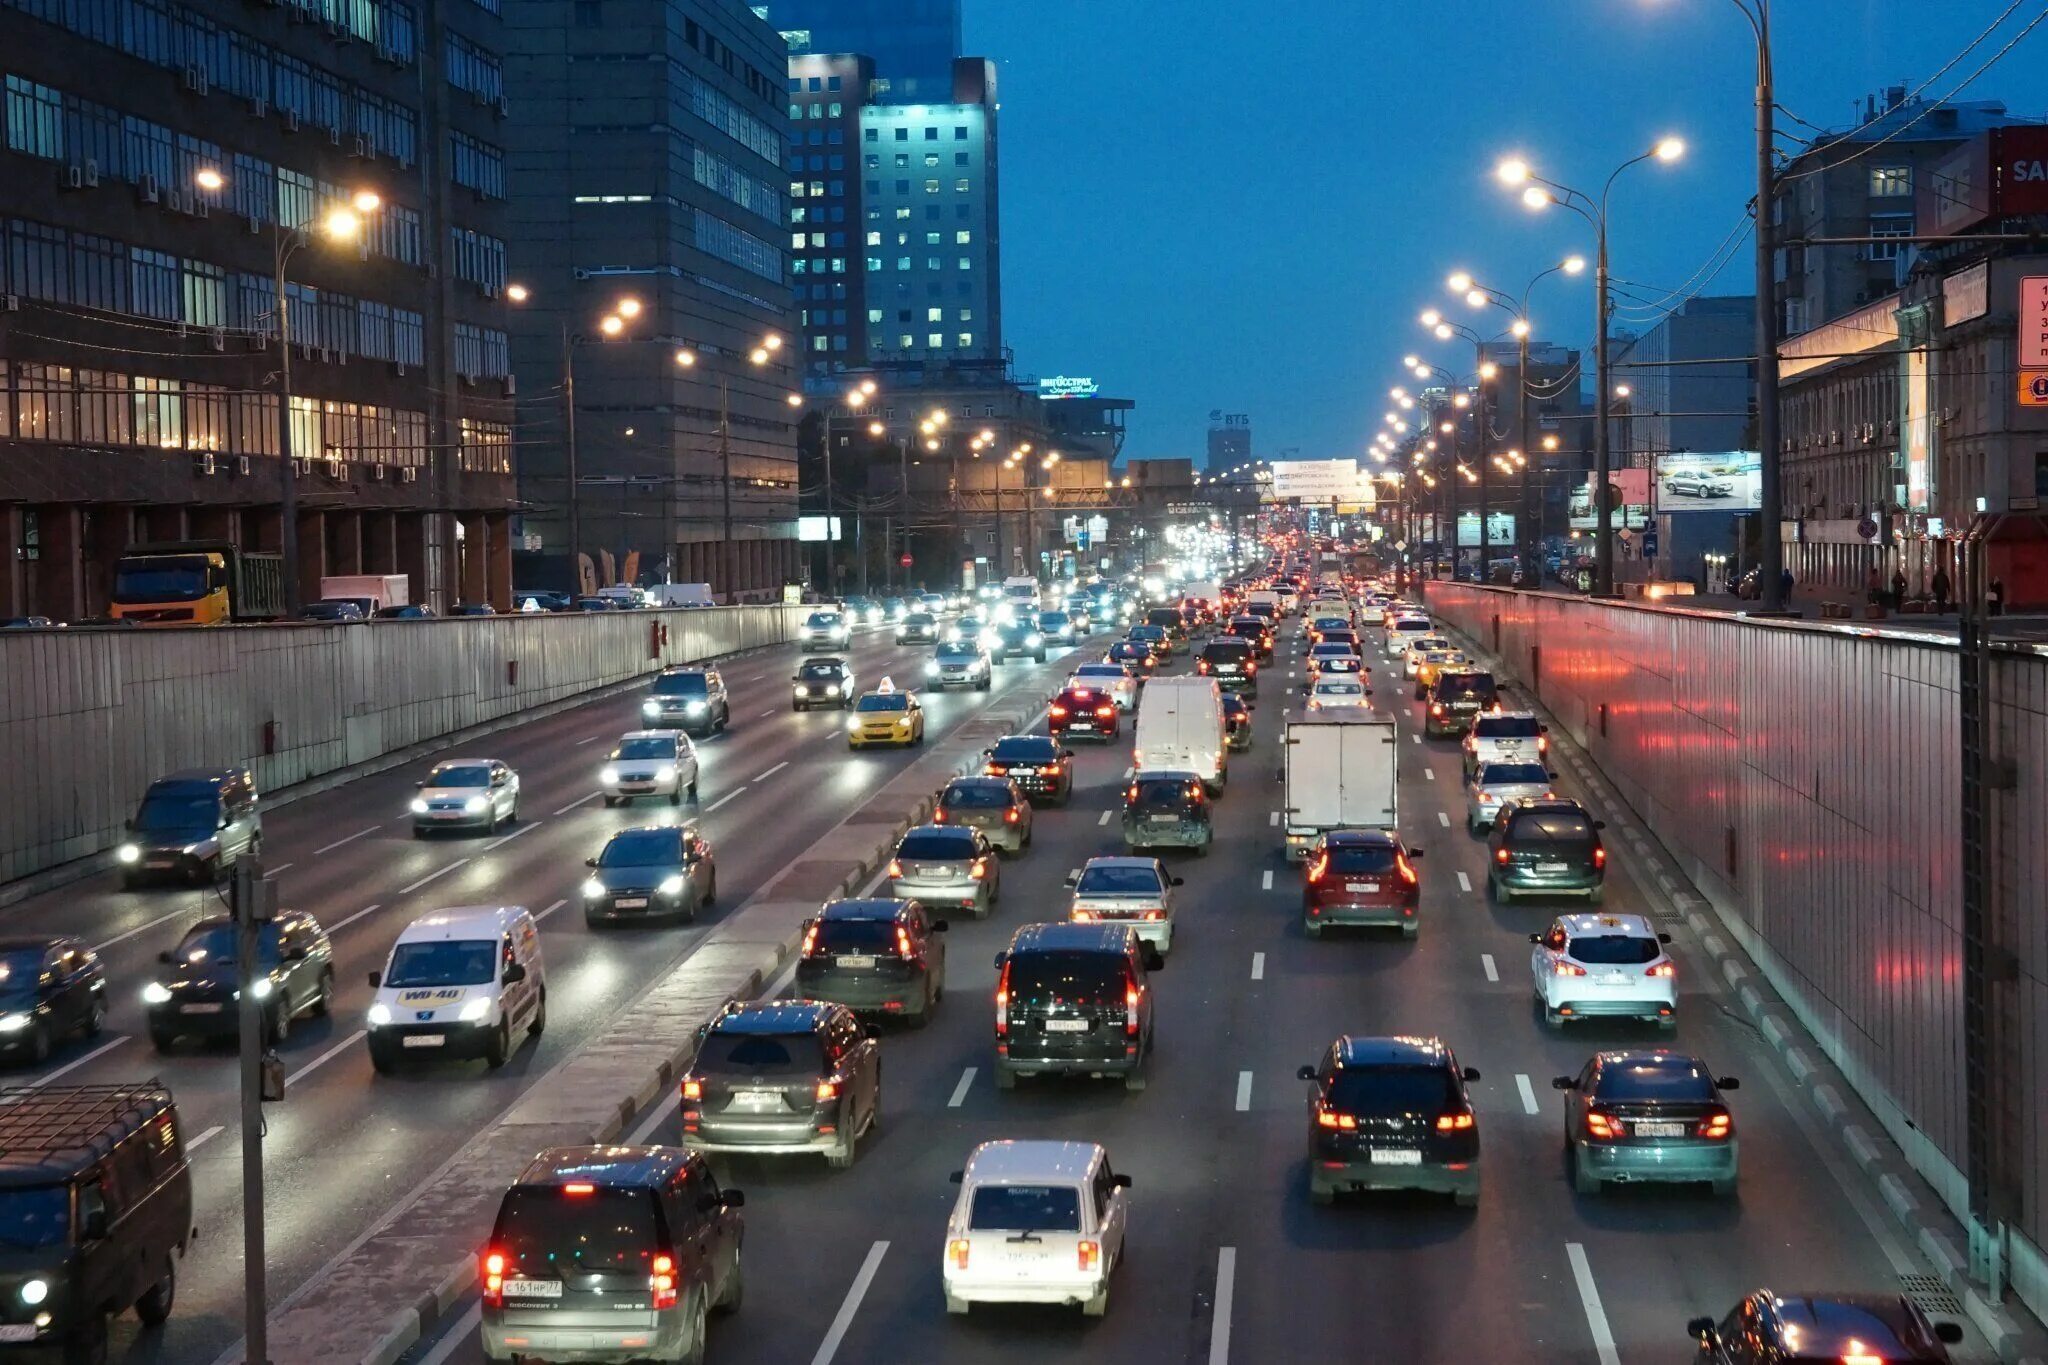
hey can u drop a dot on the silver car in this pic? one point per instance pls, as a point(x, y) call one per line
point(466, 793)
point(650, 763)
point(1133, 891)
point(1498, 786)
point(994, 806)
point(824, 629)
point(946, 865)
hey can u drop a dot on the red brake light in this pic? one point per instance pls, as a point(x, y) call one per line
point(895, 867)
point(1720, 1124)
point(1317, 868)
point(939, 816)
point(1563, 968)
point(1436, 708)
point(1201, 665)
point(1405, 868)
point(1090, 1254)
point(1330, 1118)
point(693, 1090)
point(903, 948)
point(1500, 855)
point(827, 1090)
point(1003, 1002)
point(957, 1249)
point(1011, 817)
point(494, 1278)
point(1104, 712)
point(1132, 793)
point(979, 870)
point(1663, 969)
point(1456, 1122)
point(579, 1187)
point(1059, 712)
point(1131, 1010)
point(663, 1281)
point(810, 940)
point(1856, 1355)
point(1600, 857)
point(1600, 1126)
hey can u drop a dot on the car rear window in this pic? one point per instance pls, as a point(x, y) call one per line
point(1163, 616)
point(1025, 1208)
point(548, 1230)
point(760, 1054)
point(1662, 1078)
point(1465, 685)
point(1041, 977)
point(1492, 774)
point(1118, 881)
point(976, 796)
point(1552, 827)
point(1614, 950)
point(1506, 727)
point(1021, 750)
point(936, 846)
point(1226, 651)
point(1384, 1091)
point(1339, 689)
point(857, 935)
point(1361, 858)
point(1162, 794)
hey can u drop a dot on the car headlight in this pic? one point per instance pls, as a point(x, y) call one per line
point(34, 1291)
point(1034, 640)
point(665, 773)
point(419, 805)
point(13, 1023)
point(698, 708)
point(474, 1010)
point(831, 689)
point(379, 1015)
point(671, 887)
point(608, 775)
point(853, 726)
point(592, 889)
point(931, 670)
point(128, 853)
point(156, 993)
point(263, 987)
point(475, 805)
point(650, 708)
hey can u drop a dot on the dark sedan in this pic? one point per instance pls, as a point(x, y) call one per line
point(50, 989)
point(1856, 1329)
point(1648, 1117)
point(875, 956)
point(1036, 763)
point(657, 871)
point(198, 994)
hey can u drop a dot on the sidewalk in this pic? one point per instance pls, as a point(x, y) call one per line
point(1807, 602)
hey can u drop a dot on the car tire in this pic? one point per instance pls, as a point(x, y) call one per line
point(1497, 892)
point(1135, 1081)
point(162, 1041)
point(500, 1050)
point(841, 1156)
point(610, 801)
point(711, 890)
point(1312, 929)
point(1669, 1025)
point(699, 1333)
point(538, 1024)
point(1465, 1199)
point(1005, 1079)
point(1410, 930)
point(1552, 1020)
point(154, 1307)
point(982, 686)
point(381, 1060)
point(1202, 849)
point(675, 798)
point(735, 1285)
point(95, 1020)
point(279, 1027)
point(798, 706)
point(957, 1307)
point(693, 792)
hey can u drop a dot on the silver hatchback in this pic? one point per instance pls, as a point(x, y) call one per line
point(946, 865)
point(1497, 787)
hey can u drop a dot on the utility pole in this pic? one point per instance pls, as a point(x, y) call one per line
point(725, 466)
point(903, 484)
point(1525, 554)
point(253, 901)
point(1603, 511)
point(574, 496)
point(831, 567)
point(1770, 484)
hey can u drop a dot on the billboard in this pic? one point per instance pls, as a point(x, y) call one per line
point(1630, 499)
point(1714, 481)
point(1500, 530)
point(1068, 386)
point(1323, 481)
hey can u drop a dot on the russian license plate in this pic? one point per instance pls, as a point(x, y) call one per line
point(1087, 725)
point(424, 1040)
point(1226, 668)
point(1023, 772)
point(1614, 978)
point(856, 959)
point(1066, 1026)
point(1396, 1156)
point(1361, 886)
point(18, 1331)
point(1659, 1130)
point(209, 1008)
point(533, 1289)
point(636, 786)
point(631, 902)
point(1162, 819)
point(759, 1100)
point(1550, 867)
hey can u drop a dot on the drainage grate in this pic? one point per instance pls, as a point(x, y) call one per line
point(1933, 1296)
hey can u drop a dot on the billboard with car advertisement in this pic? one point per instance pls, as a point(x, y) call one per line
point(1710, 481)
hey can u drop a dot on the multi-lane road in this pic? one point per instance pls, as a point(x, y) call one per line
point(1227, 1259)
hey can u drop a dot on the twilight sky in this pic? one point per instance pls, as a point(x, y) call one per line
point(1221, 204)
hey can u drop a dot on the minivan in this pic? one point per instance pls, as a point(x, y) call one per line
point(192, 825)
point(1074, 1000)
point(457, 983)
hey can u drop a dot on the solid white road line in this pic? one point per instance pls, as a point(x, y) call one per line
point(142, 928)
point(549, 911)
point(772, 771)
point(723, 799)
point(329, 848)
point(460, 1335)
point(1105, 818)
point(1443, 819)
point(960, 1090)
point(1492, 972)
point(508, 838)
point(577, 802)
point(590, 739)
point(830, 1345)
point(1528, 1094)
point(1244, 1091)
point(1429, 774)
point(1589, 1299)
point(75, 1063)
point(1258, 966)
point(1219, 1318)
point(331, 1053)
point(1273, 820)
point(1464, 882)
point(342, 924)
point(653, 1120)
point(204, 1137)
point(408, 890)
point(1266, 880)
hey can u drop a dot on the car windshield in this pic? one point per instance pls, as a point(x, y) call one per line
point(1614, 950)
point(760, 1054)
point(1506, 727)
point(443, 962)
point(1361, 858)
point(857, 935)
point(822, 672)
point(171, 578)
point(1384, 1091)
point(1025, 1208)
point(35, 1216)
point(681, 685)
point(1118, 881)
point(883, 701)
point(918, 618)
point(166, 813)
point(936, 846)
point(1650, 1079)
point(977, 796)
point(642, 848)
point(1041, 977)
point(1163, 617)
point(460, 775)
point(1556, 827)
point(1052, 620)
point(211, 947)
point(650, 747)
point(958, 653)
point(822, 620)
point(547, 1231)
point(1018, 750)
point(1523, 774)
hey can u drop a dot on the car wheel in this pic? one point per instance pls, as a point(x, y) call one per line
point(1312, 928)
point(798, 706)
point(162, 1040)
point(1552, 1019)
point(981, 686)
point(38, 1043)
point(1410, 929)
point(280, 1021)
point(735, 1284)
point(610, 801)
point(675, 798)
point(1596, 895)
point(1134, 1081)
point(711, 890)
point(95, 1019)
point(154, 1307)
point(1583, 1180)
point(1498, 892)
point(381, 1060)
point(539, 1022)
point(1465, 1199)
point(1202, 849)
point(1724, 1189)
point(501, 1045)
point(931, 1000)
point(693, 792)
point(693, 1352)
point(840, 1157)
point(1322, 1196)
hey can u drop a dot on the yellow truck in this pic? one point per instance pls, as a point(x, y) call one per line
point(197, 583)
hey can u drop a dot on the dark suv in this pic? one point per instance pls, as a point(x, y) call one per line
point(1547, 847)
point(882, 956)
point(1391, 1114)
point(610, 1254)
point(782, 1076)
point(1036, 763)
point(1232, 662)
point(1074, 1000)
point(689, 699)
point(1014, 638)
point(1255, 631)
point(1456, 699)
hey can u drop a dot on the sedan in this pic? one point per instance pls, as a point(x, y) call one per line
point(653, 872)
point(1036, 763)
point(880, 956)
point(1237, 722)
point(917, 628)
point(1418, 648)
point(466, 793)
point(50, 988)
point(1500, 786)
point(885, 716)
point(1128, 890)
point(823, 630)
point(959, 663)
point(1338, 692)
point(825, 680)
point(1084, 711)
point(1134, 655)
point(199, 991)
point(650, 763)
point(1333, 659)
point(1874, 1329)
point(946, 865)
point(1648, 1117)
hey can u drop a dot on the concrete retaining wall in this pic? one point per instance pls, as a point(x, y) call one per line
point(89, 718)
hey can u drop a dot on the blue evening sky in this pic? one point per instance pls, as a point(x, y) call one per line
point(1243, 205)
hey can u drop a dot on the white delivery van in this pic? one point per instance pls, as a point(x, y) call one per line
point(1338, 768)
point(681, 595)
point(1181, 729)
point(458, 983)
point(370, 591)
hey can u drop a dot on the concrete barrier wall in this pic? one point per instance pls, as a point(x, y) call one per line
point(1809, 777)
point(89, 718)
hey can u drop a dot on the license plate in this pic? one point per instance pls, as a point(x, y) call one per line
point(533, 1289)
point(631, 902)
point(1659, 1129)
point(1081, 725)
point(759, 1100)
point(1162, 819)
point(1227, 668)
point(1066, 1026)
point(1614, 978)
point(1023, 772)
point(1400, 1156)
point(1550, 867)
point(200, 1009)
point(424, 1040)
point(157, 862)
point(21, 1331)
point(636, 786)
point(1362, 886)
point(856, 959)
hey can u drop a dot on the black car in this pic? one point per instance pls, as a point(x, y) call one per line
point(541, 599)
point(1549, 846)
point(50, 988)
point(783, 1076)
point(1648, 1117)
point(1456, 699)
point(822, 681)
point(1074, 1000)
point(1255, 631)
point(1232, 662)
point(691, 699)
point(877, 956)
point(1237, 722)
point(654, 871)
point(1391, 1114)
point(1768, 1327)
point(611, 1253)
point(472, 609)
point(199, 994)
point(1015, 638)
point(1135, 655)
point(1036, 763)
point(409, 612)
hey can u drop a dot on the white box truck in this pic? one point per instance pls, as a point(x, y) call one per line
point(1181, 729)
point(370, 591)
point(1338, 772)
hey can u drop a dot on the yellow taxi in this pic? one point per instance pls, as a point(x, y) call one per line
point(885, 716)
point(1425, 664)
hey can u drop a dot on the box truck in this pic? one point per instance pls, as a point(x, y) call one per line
point(1338, 772)
point(370, 591)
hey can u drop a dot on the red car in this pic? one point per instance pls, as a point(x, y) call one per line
point(1362, 877)
point(1084, 711)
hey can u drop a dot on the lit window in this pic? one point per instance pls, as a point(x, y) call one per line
point(931, 239)
point(931, 187)
point(967, 263)
point(963, 237)
point(796, 240)
point(938, 341)
point(902, 213)
point(874, 239)
point(931, 158)
point(960, 186)
point(874, 262)
point(932, 315)
point(906, 341)
point(1891, 182)
point(966, 340)
point(817, 239)
point(819, 343)
point(903, 159)
point(903, 263)
point(966, 315)
point(874, 315)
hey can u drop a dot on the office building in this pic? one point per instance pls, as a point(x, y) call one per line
point(904, 37)
point(646, 144)
point(1230, 441)
point(1690, 386)
point(160, 157)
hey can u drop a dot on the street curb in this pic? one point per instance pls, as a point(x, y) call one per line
point(1926, 1223)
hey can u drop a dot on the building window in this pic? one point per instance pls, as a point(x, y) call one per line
point(903, 135)
point(870, 135)
point(1888, 225)
point(960, 159)
point(966, 340)
point(1891, 182)
point(35, 119)
point(938, 341)
point(932, 315)
point(960, 185)
point(874, 315)
point(962, 237)
point(931, 187)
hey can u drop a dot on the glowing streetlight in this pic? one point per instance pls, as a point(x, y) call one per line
point(795, 400)
point(1475, 298)
point(1513, 171)
point(867, 386)
point(1444, 331)
point(759, 355)
point(1487, 369)
point(628, 307)
point(612, 325)
point(1519, 327)
point(1536, 197)
point(1460, 282)
point(1670, 149)
point(686, 359)
point(518, 293)
point(1431, 318)
point(210, 180)
point(876, 429)
point(1575, 265)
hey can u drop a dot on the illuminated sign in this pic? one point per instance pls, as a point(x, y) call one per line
point(1067, 386)
point(1721, 481)
point(1325, 481)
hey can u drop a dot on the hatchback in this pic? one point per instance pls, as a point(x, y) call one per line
point(50, 988)
point(1603, 966)
point(1036, 763)
point(946, 865)
point(782, 1077)
point(1547, 847)
point(1648, 1117)
point(919, 627)
point(875, 955)
point(1333, 660)
point(650, 763)
point(1254, 630)
point(994, 806)
point(653, 872)
point(1167, 810)
point(1036, 1222)
point(1135, 655)
point(1115, 679)
point(1881, 1329)
point(466, 793)
point(1361, 877)
point(1237, 722)
point(1391, 1114)
point(199, 990)
point(1457, 698)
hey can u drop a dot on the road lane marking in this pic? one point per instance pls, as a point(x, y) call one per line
point(1589, 1299)
point(340, 925)
point(1528, 1094)
point(549, 911)
point(462, 1334)
point(508, 838)
point(830, 1345)
point(1219, 1319)
point(1443, 819)
point(205, 1137)
point(1492, 972)
point(1128, 772)
point(772, 771)
point(590, 739)
point(143, 928)
point(329, 848)
point(1258, 966)
point(1415, 739)
point(1464, 882)
point(408, 890)
point(960, 1090)
point(577, 802)
point(1105, 818)
point(327, 1056)
point(277, 871)
point(1244, 1091)
point(1266, 880)
point(75, 1063)
point(1273, 820)
point(723, 799)
point(1429, 774)
point(769, 712)
point(653, 1121)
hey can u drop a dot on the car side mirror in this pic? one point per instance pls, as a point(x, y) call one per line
point(514, 973)
point(939, 926)
point(376, 980)
point(733, 1199)
point(1073, 878)
point(1563, 1083)
point(1179, 881)
point(1949, 1332)
point(420, 785)
point(1001, 958)
point(1471, 1073)
point(1122, 1182)
point(988, 753)
point(1703, 1328)
point(1535, 938)
point(1727, 1082)
point(1663, 938)
point(590, 862)
point(957, 1177)
point(166, 958)
point(1305, 1072)
point(1599, 824)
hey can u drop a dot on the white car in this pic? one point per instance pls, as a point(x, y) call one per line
point(1506, 737)
point(823, 629)
point(650, 763)
point(1134, 891)
point(1373, 611)
point(1338, 692)
point(1496, 786)
point(1036, 1222)
point(1403, 631)
point(466, 793)
point(1607, 966)
point(1114, 679)
point(1421, 646)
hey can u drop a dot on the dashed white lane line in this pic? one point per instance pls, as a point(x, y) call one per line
point(329, 848)
point(1486, 962)
point(581, 800)
point(549, 911)
point(408, 890)
point(1273, 820)
point(723, 799)
point(1244, 1091)
point(1528, 1094)
point(960, 1091)
point(1443, 819)
point(1219, 1320)
point(205, 1137)
point(1258, 966)
point(76, 1062)
point(277, 871)
point(772, 771)
point(1464, 882)
point(769, 712)
point(1266, 880)
point(1429, 774)
point(589, 739)
point(1415, 739)
point(829, 1347)
point(342, 924)
point(1589, 1299)
point(1105, 818)
point(461, 1334)
point(1128, 772)
point(142, 928)
point(508, 838)
point(331, 1053)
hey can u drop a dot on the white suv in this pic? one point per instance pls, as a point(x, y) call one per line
point(1403, 631)
point(1611, 966)
point(1036, 1222)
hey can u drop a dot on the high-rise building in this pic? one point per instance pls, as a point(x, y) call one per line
point(648, 187)
point(160, 158)
point(1230, 440)
point(904, 37)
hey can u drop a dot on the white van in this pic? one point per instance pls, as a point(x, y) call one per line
point(1181, 729)
point(1036, 1222)
point(457, 983)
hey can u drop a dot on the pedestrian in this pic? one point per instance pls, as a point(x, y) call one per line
point(1785, 583)
point(1873, 587)
point(1940, 585)
point(1898, 589)
point(1997, 596)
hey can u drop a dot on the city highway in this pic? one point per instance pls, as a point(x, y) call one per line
point(1227, 1259)
point(346, 1143)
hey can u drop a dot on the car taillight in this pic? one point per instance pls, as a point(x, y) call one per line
point(1405, 868)
point(1563, 968)
point(1436, 708)
point(1011, 817)
point(1543, 744)
point(978, 870)
point(939, 816)
point(1250, 668)
point(662, 1281)
point(1104, 712)
point(578, 1188)
point(1457, 1121)
point(1201, 665)
point(693, 1090)
point(494, 1279)
point(1720, 1124)
point(1663, 969)
point(895, 867)
point(1132, 793)
point(957, 1249)
point(827, 1090)
point(1131, 1010)
point(811, 940)
point(1500, 855)
point(1600, 1125)
point(903, 948)
point(1317, 868)
point(1330, 1118)
point(1089, 1254)
point(1059, 713)
point(1600, 857)
point(1003, 1002)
